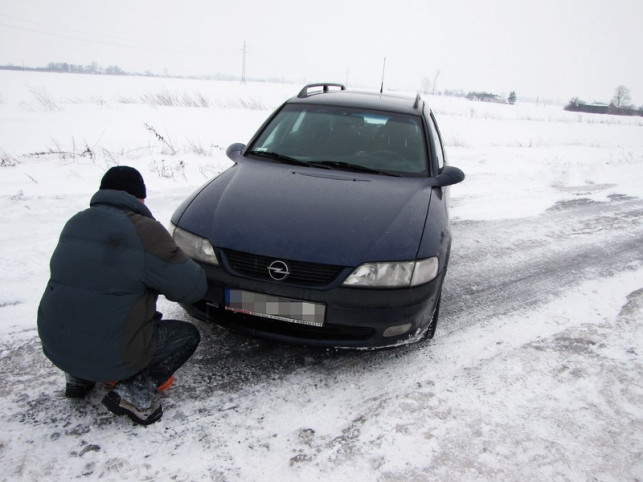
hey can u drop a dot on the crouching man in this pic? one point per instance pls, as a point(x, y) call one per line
point(97, 319)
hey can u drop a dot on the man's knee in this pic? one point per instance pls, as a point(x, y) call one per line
point(183, 333)
point(194, 335)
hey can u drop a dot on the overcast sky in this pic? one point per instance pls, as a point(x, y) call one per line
point(551, 49)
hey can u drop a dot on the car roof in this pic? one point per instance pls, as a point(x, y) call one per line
point(399, 104)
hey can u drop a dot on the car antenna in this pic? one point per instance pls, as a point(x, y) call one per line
point(382, 84)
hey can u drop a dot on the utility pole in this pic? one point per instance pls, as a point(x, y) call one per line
point(243, 65)
point(435, 81)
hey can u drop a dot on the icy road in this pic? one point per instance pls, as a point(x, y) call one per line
point(534, 374)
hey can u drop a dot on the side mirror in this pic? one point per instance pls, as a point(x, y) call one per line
point(449, 175)
point(235, 151)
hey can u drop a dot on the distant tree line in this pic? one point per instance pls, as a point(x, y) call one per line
point(620, 104)
point(488, 97)
point(65, 67)
point(94, 68)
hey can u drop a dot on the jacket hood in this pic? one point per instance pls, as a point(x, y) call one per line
point(120, 199)
point(308, 214)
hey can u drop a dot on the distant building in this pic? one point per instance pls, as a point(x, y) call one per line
point(596, 108)
point(577, 105)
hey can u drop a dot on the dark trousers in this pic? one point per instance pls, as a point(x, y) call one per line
point(176, 342)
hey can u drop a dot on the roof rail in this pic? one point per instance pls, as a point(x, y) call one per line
point(325, 86)
point(417, 101)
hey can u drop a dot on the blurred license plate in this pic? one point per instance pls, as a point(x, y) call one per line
point(275, 307)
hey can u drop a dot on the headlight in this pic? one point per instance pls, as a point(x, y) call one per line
point(194, 246)
point(394, 275)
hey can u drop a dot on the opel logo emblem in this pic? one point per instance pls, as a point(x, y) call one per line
point(278, 270)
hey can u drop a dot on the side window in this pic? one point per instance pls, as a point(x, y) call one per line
point(436, 140)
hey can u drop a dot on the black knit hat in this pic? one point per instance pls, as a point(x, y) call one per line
point(124, 178)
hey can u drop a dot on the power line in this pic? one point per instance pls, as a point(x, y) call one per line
point(111, 41)
point(69, 36)
point(54, 27)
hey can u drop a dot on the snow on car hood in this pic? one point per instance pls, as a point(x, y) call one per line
point(307, 214)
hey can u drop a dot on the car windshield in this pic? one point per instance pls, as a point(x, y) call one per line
point(345, 138)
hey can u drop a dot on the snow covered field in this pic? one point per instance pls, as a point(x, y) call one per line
point(534, 374)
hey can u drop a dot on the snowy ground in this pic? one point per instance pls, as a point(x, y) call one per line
point(535, 373)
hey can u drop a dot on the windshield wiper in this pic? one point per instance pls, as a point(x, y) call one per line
point(278, 157)
point(320, 164)
point(351, 167)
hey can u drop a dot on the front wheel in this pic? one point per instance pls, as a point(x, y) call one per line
point(433, 322)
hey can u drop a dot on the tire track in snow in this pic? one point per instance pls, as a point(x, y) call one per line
point(502, 267)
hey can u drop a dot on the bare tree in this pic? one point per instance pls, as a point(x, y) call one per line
point(621, 97)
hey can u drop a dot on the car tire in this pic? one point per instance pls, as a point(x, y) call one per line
point(433, 322)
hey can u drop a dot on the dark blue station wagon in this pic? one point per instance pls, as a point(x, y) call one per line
point(332, 226)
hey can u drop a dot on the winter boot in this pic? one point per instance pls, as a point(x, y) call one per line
point(77, 387)
point(166, 384)
point(143, 416)
point(161, 388)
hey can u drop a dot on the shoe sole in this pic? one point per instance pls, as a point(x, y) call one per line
point(114, 406)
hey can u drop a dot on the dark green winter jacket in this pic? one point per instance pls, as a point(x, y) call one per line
point(96, 318)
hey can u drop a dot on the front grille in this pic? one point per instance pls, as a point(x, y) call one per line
point(307, 274)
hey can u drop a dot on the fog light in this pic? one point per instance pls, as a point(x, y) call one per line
point(397, 330)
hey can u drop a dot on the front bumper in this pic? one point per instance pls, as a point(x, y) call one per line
point(354, 318)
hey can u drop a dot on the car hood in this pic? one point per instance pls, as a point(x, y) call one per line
point(307, 214)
